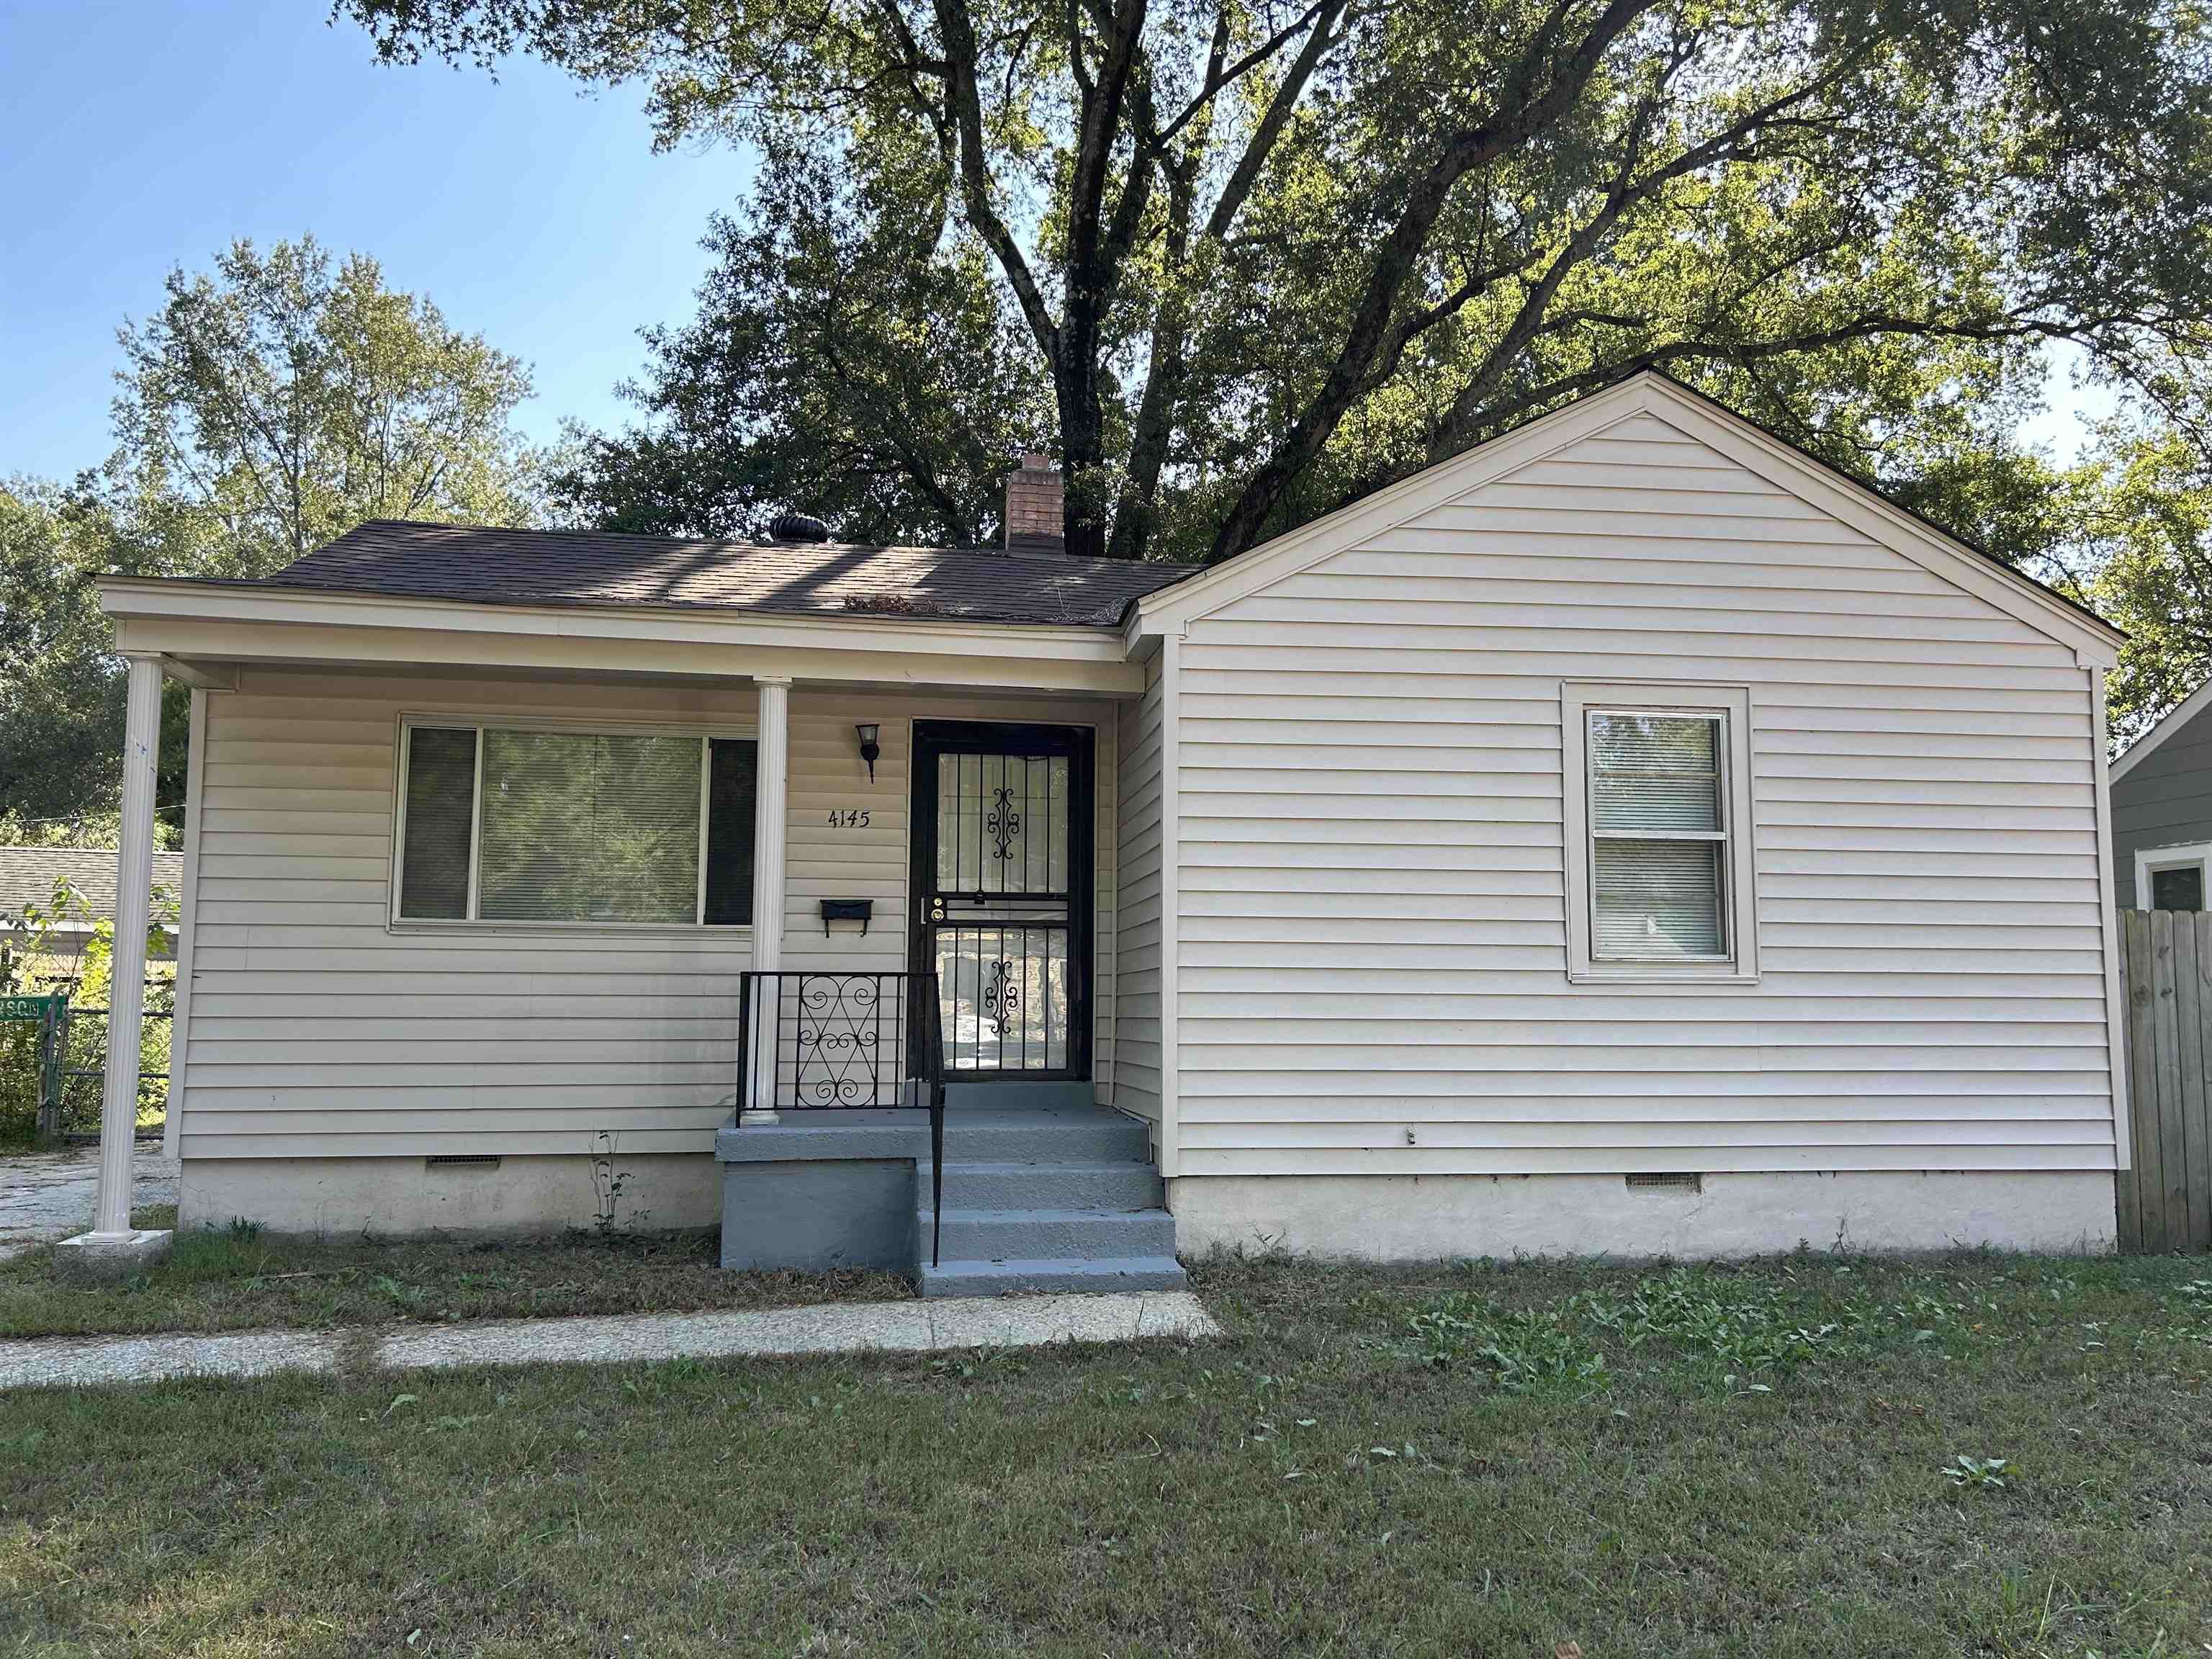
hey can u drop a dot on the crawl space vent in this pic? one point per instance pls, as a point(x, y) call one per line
point(463, 1161)
point(1666, 1183)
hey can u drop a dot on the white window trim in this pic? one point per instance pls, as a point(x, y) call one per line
point(1731, 706)
point(480, 723)
point(2149, 859)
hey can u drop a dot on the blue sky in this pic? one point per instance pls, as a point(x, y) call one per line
point(138, 135)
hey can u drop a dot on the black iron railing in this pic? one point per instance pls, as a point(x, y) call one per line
point(814, 1040)
point(930, 1072)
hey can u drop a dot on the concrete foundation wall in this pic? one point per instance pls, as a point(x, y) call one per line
point(1419, 1218)
point(387, 1195)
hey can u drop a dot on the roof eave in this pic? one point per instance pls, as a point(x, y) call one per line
point(2147, 745)
point(221, 623)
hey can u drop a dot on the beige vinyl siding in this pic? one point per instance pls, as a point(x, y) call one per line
point(1137, 1040)
point(317, 1030)
point(1372, 959)
point(826, 861)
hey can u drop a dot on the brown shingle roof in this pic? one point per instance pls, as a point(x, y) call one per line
point(28, 875)
point(580, 567)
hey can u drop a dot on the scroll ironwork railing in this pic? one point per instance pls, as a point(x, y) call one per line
point(823, 1040)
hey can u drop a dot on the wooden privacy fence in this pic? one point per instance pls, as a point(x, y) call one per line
point(2165, 974)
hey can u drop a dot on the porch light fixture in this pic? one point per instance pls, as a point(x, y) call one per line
point(869, 748)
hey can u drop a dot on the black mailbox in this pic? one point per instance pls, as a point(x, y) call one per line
point(860, 911)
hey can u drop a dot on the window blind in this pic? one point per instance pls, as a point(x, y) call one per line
point(589, 828)
point(1659, 843)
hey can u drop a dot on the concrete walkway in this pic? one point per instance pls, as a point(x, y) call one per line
point(49, 1195)
point(1028, 1321)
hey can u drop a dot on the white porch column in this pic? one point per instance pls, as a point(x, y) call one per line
point(771, 791)
point(126, 995)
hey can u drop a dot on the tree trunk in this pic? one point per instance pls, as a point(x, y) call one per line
point(1082, 454)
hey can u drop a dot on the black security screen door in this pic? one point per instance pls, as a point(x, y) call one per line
point(1002, 860)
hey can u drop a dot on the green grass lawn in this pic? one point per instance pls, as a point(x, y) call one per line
point(1758, 1460)
point(242, 1279)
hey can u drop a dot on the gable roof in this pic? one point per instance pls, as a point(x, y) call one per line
point(28, 875)
point(2176, 717)
point(1849, 499)
point(403, 559)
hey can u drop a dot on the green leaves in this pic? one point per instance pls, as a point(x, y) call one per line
point(1987, 1474)
point(845, 362)
point(267, 407)
point(1246, 261)
point(273, 404)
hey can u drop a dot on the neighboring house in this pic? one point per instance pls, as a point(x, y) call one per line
point(28, 876)
point(2162, 811)
point(1630, 836)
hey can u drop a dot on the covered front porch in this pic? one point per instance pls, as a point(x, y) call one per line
point(348, 1056)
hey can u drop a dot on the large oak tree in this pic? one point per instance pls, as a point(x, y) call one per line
point(1267, 253)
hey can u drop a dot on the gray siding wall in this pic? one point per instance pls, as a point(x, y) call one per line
point(2166, 801)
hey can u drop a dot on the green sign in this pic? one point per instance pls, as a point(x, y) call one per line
point(38, 1008)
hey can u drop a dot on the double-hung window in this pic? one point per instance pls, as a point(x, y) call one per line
point(540, 827)
point(1658, 814)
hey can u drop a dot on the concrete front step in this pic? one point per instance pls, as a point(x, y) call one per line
point(1091, 1184)
point(1090, 1136)
point(1013, 1094)
point(977, 1278)
point(1043, 1192)
point(1036, 1234)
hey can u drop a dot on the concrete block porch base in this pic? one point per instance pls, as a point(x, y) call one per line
point(1042, 1192)
point(821, 1190)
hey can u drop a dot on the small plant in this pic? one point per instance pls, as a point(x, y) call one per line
point(1524, 1351)
point(243, 1231)
point(609, 1179)
point(1964, 1471)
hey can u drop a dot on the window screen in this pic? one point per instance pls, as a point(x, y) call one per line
point(1659, 836)
point(442, 773)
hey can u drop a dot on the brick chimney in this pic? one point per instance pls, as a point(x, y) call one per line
point(1036, 522)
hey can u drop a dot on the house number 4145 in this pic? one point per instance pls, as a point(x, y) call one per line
point(848, 817)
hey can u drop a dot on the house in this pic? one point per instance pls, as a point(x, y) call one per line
point(1629, 835)
point(2162, 811)
point(30, 875)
